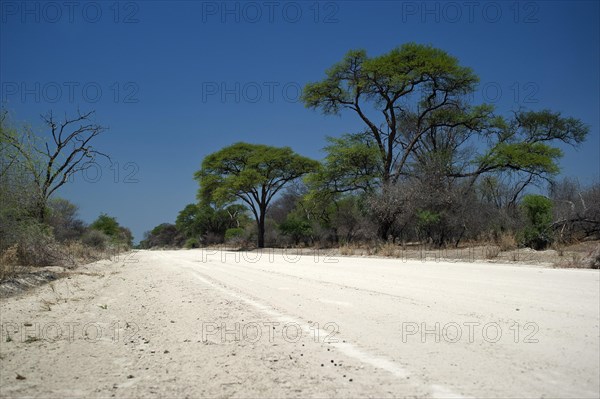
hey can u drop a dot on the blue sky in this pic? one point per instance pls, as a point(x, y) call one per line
point(177, 80)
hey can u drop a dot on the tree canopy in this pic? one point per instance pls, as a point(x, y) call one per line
point(251, 173)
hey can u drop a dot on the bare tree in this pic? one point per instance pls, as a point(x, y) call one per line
point(53, 161)
point(576, 210)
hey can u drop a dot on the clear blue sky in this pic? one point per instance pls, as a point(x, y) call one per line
point(178, 80)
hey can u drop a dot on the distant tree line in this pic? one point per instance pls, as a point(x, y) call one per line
point(425, 165)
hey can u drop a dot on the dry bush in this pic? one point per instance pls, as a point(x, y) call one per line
point(75, 252)
point(559, 248)
point(492, 251)
point(8, 262)
point(37, 247)
point(95, 239)
point(387, 249)
point(507, 242)
point(593, 260)
point(573, 261)
point(348, 249)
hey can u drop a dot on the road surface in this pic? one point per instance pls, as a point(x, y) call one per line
point(203, 323)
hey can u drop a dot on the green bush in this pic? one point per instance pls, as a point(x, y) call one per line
point(297, 229)
point(234, 234)
point(192, 243)
point(537, 210)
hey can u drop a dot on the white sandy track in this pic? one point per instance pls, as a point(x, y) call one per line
point(186, 323)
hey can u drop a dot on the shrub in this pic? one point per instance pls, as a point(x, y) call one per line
point(594, 259)
point(164, 235)
point(192, 243)
point(95, 239)
point(8, 260)
point(36, 246)
point(107, 225)
point(297, 229)
point(507, 242)
point(234, 234)
point(538, 211)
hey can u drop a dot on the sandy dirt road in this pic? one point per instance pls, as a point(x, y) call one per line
point(205, 323)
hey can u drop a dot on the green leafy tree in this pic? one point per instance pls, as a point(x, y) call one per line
point(161, 236)
point(189, 221)
point(297, 228)
point(251, 173)
point(416, 89)
point(110, 227)
point(351, 163)
point(197, 220)
point(106, 224)
point(415, 102)
point(538, 211)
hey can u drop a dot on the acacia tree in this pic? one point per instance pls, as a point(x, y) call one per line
point(52, 162)
point(416, 89)
point(251, 173)
point(415, 103)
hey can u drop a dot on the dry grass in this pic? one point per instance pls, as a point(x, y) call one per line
point(500, 249)
point(507, 242)
point(492, 251)
point(348, 249)
point(388, 249)
point(8, 262)
point(579, 259)
point(594, 258)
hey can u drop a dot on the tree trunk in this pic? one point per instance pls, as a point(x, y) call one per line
point(261, 229)
point(41, 205)
point(385, 227)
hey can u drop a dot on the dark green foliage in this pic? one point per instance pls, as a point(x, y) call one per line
point(352, 163)
point(62, 217)
point(191, 221)
point(109, 226)
point(297, 229)
point(251, 173)
point(538, 211)
point(164, 235)
point(191, 243)
point(427, 146)
point(234, 234)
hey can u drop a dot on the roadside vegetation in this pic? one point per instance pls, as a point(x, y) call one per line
point(37, 228)
point(425, 166)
